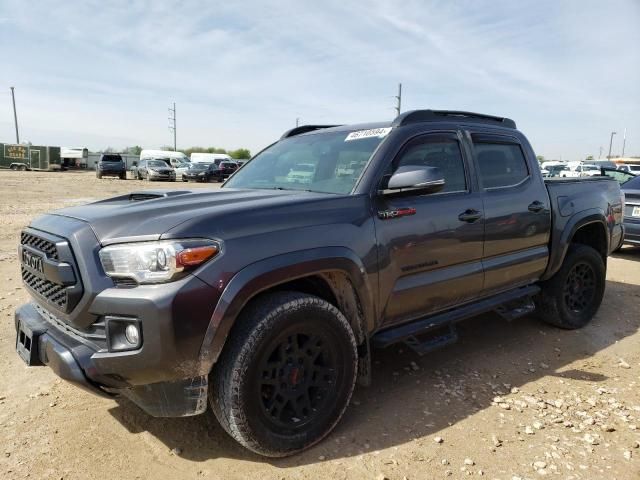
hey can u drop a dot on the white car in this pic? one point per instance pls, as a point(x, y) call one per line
point(301, 173)
point(630, 168)
point(181, 168)
point(580, 171)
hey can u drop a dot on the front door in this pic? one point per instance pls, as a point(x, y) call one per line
point(430, 246)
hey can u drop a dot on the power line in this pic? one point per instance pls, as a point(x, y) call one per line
point(172, 124)
point(15, 115)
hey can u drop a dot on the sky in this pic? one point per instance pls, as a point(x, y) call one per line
point(103, 73)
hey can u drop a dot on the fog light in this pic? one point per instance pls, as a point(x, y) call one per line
point(132, 334)
point(123, 333)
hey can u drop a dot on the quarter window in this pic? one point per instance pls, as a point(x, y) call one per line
point(500, 164)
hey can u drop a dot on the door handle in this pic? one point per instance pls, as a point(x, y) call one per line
point(469, 215)
point(536, 206)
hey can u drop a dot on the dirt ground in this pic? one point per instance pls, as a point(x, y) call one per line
point(518, 400)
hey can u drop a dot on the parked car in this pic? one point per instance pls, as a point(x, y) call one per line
point(629, 168)
point(579, 170)
point(264, 299)
point(225, 170)
point(207, 172)
point(152, 169)
point(111, 165)
point(301, 173)
point(631, 191)
point(553, 169)
point(199, 172)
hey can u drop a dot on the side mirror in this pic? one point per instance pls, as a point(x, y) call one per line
point(415, 178)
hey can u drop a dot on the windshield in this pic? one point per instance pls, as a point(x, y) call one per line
point(589, 167)
point(111, 158)
point(328, 162)
point(156, 163)
point(200, 166)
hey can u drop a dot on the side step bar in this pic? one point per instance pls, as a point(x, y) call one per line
point(510, 305)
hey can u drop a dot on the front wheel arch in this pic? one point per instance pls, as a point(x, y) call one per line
point(334, 264)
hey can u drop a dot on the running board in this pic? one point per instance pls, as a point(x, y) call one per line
point(519, 300)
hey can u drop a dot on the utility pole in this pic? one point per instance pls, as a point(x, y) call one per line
point(297, 121)
point(624, 141)
point(610, 144)
point(600, 156)
point(172, 124)
point(15, 115)
point(399, 99)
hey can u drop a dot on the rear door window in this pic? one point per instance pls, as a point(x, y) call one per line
point(500, 163)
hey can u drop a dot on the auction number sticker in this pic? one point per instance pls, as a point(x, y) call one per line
point(373, 132)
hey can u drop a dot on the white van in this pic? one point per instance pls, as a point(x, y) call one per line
point(209, 157)
point(175, 158)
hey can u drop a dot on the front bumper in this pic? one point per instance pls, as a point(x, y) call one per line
point(164, 376)
point(159, 176)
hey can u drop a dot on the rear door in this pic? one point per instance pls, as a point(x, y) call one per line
point(430, 246)
point(517, 214)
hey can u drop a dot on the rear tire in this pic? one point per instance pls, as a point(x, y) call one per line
point(286, 374)
point(123, 176)
point(98, 175)
point(573, 295)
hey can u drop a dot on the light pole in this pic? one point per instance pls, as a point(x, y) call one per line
point(610, 145)
point(399, 99)
point(15, 115)
point(297, 121)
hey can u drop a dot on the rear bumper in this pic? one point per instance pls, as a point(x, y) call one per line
point(632, 232)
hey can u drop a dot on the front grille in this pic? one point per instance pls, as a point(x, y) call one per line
point(52, 292)
point(48, 283)
point(45, 246)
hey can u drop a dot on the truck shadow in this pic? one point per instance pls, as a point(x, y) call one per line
point(413, 401)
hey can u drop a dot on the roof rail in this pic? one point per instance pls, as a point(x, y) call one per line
point(418, 116)
point(304, 129)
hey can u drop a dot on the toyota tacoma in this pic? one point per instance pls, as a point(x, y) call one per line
point(265, 299)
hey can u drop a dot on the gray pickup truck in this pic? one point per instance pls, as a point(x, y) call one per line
point(265, 299)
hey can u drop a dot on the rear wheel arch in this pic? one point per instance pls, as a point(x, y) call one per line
point(589, 229)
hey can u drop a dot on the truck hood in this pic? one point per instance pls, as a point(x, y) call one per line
point(150, 214)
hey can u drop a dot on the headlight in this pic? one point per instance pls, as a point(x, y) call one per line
point(157, 262)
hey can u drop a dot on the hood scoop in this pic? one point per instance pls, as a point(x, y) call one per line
point(152, 194)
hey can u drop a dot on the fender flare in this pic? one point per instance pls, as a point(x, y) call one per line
point(270, 272)
point(560, 245)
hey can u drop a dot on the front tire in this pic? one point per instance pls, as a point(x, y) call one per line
point(573, 295)
point(286, 374)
